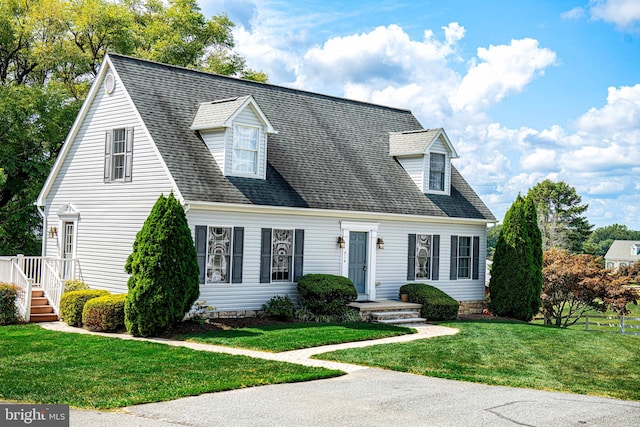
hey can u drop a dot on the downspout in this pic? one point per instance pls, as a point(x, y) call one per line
point(43, 251)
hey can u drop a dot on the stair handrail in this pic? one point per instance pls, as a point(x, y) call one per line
point(24, 284)
point(52, 284)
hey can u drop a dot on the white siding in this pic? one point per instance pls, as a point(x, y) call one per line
point(110, 214)
point(322, 255)
point(215, 141)
point(438, 146)
point(415, 167)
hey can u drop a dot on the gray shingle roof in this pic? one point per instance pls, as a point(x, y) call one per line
point(216, 113)
point(329, 153)
point(620, 250)
point(411, 142)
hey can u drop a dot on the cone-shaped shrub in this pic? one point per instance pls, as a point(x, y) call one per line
point(164, 280)
point(516, 273)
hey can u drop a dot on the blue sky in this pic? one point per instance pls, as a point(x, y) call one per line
point(525, 89)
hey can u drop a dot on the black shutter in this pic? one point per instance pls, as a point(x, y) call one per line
point(107, 156)
point(298, 256)
point(411, 258)
point(128, 155)
point(265, 256)
point(453, 267)
point(201, 249)
point(435, 257)
point(476, 257)
point(237, 253)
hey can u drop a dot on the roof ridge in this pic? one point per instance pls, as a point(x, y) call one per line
point(253, 82)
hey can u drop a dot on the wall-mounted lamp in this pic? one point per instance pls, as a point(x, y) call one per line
point(340, 242)
point(380, 243)
point(53, 232)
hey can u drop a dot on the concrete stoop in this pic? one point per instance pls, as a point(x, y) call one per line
point(390, 312)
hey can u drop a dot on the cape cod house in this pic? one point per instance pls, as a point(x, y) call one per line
point(622, 253)
point(276, 183)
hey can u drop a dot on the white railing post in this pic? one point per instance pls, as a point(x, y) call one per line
point(586, 324)
point(622, 324)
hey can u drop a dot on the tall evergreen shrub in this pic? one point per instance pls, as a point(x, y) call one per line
point(164, 280)
point(535, 237)
point(516, 272)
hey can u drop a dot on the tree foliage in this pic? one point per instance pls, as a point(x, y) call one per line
point(164, 271)
point(575, 284)
point(50, 52)
point(560, 215)
point(493, 234)
point(601, 239)
point(515, 282)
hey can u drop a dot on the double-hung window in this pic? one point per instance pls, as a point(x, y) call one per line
point(437, 170)
point(245, 149)
point(464, 257)
point(282, 253)
point(423, 256)
point(118, 154)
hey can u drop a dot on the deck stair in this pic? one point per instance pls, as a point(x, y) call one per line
point(390, 312)
point(41, 309)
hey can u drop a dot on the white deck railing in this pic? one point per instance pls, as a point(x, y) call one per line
point(27, 272)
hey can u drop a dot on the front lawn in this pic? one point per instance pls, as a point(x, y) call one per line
point(516, 355)
point(41, 366)
point(293, 336)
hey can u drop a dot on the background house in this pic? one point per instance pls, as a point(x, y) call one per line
point(276, 183)
point(622, 253)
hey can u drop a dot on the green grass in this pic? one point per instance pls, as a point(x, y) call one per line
point(516, 355)
point(41, 366)
point(293, 336)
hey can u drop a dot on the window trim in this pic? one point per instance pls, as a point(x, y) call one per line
point(442, 174)
point(430, 260)
point(229, 255)
point(426, 179)
point(257, 151)
point(109, 155)
point(468, 257)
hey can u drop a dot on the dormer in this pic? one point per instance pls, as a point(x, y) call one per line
point(426, 156)
point(235, 131)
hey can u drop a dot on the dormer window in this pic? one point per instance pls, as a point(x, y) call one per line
point(235, 131)
point(437, 171)
point(245, 149)
point(426, 156)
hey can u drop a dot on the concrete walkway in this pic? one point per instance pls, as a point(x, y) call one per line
point(301, 357)
point(366, 397)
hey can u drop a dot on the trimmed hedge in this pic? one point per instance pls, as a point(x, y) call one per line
point(74, 285)
point(8, 309)
point(72, 303)
point(326, 294)
point(104, 314)
point(436, 304)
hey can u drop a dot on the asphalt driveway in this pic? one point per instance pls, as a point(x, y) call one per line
point(375, 397)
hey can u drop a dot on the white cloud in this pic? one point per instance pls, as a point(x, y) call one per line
point(622, 112)
point(540, 160)
point(625, 14)
point(503, 70)
point(575, 13)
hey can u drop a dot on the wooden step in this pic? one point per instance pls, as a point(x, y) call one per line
point(49, 317)
point(39, 301)
point(37, 293)
point(41, 309)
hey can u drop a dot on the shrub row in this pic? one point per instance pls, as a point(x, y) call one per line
point(97, 310)
point(326, 294)
point(436, 304)
point(8, 309)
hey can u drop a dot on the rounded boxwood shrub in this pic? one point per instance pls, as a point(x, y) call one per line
point(105, 314)
point(280, 307)
point(72, 303)
point(8, 309)
point(326, 294)
point(74, 285)
point(436, 304)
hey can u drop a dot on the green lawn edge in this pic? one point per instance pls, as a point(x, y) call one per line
point(515, 354)
point(87, 371)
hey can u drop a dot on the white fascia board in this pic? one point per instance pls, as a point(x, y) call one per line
point(210, 127)
point(86, 105)
point(256, 109)
point(66, 146)
point(342, 214)
point(452, 151)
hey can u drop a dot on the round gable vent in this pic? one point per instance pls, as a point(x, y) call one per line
point(109, 83)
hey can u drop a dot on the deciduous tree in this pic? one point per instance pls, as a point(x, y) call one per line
point(575, 284)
